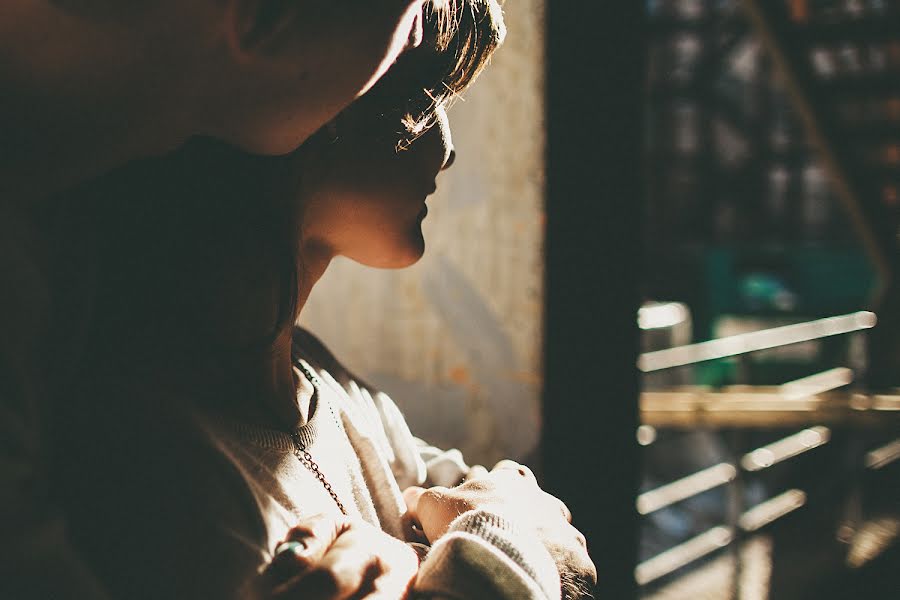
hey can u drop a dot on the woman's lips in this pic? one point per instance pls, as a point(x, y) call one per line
point(430, 188)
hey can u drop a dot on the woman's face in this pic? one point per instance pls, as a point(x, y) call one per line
point(367, 199)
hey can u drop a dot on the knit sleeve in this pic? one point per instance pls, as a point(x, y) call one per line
point(484, 556)
point(442, 467)
point(414, 461)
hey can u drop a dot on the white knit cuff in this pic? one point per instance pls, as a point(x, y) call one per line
point(519, 556)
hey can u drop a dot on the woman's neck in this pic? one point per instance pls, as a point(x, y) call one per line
point(278, 397)
point(314, 260)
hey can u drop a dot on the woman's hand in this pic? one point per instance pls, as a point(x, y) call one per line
point(331, 559)
point(511, 491)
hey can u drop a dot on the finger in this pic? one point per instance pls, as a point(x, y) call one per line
point(411, 496)
point(579, 537)
point(364, 562)
point(435, 510)
point(411, 522)
point(476, 472)
point(564, 509)
point(511, 465)
point(285, 565)
point(400, 565)
point(348, 568)
point(305, 545)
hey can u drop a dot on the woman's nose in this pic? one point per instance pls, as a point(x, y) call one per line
point(449, 159)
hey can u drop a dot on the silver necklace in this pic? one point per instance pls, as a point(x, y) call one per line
point(303, 454)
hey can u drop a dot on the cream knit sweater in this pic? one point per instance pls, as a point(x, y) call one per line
point(200, 501)
point(365, 450)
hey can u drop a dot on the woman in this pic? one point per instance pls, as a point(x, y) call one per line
point(213, 418)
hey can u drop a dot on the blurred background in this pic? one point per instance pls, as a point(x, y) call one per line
point(664, 271)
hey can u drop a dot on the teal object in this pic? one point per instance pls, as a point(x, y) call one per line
point(801, 282)
point(811, 280)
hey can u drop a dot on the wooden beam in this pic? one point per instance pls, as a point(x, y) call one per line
point(595, 110)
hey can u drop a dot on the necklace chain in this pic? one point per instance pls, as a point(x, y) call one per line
point(303, 455)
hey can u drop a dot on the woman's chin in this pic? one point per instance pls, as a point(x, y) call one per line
point(398, 258)
point(406, 259)
point(411, 251)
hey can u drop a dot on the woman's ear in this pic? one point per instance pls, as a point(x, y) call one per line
point(260, 27)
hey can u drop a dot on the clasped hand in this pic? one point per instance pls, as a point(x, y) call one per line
point(509, 490)
point(332, 559)
point(327, 558)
